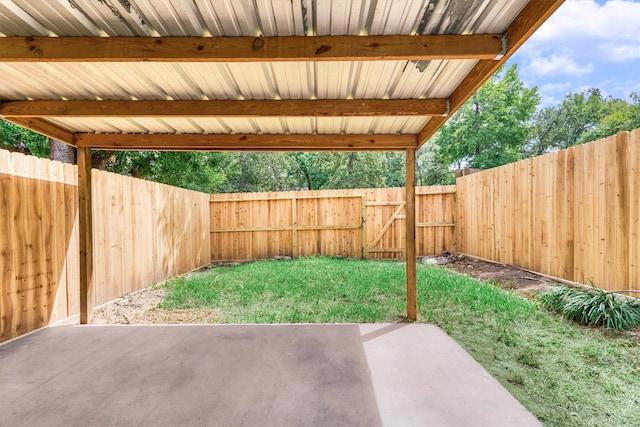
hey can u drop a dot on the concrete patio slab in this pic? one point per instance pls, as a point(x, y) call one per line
point(250, 375)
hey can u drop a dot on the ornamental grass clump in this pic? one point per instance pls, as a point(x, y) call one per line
point(593, 306)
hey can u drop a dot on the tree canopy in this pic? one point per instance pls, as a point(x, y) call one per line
point(582, 117)
point(490, 128)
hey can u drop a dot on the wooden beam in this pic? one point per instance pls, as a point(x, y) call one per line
point(246, 142)
point(85, 233)
point(44, 127)
point(410, 254)
point(249, 49)
point(285, 228)
point(299, 197)
point(534, 14)
point(225, 108)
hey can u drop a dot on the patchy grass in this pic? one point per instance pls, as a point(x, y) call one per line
point(565, 374)
point(311, 290)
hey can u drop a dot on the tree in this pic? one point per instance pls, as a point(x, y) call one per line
point(306, 170)
point(16, 138)
point(561, 127)
point(395, 163)
point(316, 171)
point(353, 170)
point(61, 152)
point(191, 170)
point(619, 116)
point(582, 117)
point(251, 171)
point(431, 169)
point(491, 128)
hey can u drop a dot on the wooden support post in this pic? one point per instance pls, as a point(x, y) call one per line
point(86, 236)
point(410, 257)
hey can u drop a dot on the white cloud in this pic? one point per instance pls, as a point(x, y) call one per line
point(552, 93)
point(557, 64)
point(584, 44)
point(556, 87)
point(623, 53)
point(608, 32)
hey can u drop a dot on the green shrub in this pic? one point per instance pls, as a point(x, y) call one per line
point(593, 306)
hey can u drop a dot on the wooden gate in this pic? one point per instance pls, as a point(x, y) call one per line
point(380, 244)
point(385, 213)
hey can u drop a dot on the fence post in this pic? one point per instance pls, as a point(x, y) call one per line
point(363, 229)
point(294, 227)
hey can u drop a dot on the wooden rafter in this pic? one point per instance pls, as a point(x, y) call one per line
point(225, 108)
point(246, 142)
point(249, 49)
point(534, 14)
point(44, 127)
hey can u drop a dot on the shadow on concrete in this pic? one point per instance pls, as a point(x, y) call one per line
point(249, 375)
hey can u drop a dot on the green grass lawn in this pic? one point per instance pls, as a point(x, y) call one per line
point(565, 374)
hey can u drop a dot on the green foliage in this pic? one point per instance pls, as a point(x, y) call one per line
point(431, 168)
point(593, 306)
point(395, 167)
point(306, 170)
point(251, 172)
point(354, 170)
point(16, 137)
point(582, 117)
point(190, 170)
point(492, 127)
point(619, 116)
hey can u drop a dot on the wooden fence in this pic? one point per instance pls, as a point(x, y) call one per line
point(573, 214)
point(143, 233)
point(363, 223)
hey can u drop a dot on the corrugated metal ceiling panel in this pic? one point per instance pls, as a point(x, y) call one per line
point(275, 80)
point(299, 80)
point(254, 17)
point(266, 125)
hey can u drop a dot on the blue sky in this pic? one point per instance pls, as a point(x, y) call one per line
point(586, 43)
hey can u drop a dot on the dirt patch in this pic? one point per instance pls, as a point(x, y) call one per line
point(142, 307)
point(508, 277)
point(505, 276)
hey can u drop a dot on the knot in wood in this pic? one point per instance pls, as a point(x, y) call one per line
point(257, 44)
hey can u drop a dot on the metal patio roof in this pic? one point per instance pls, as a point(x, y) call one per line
point(251, 74)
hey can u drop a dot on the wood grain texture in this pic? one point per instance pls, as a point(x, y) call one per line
point(224, 108)
point(85, 234)
point(571, 214)
point(410, 233)
point(351, 223)
point(246, 142)
point(249, 49)
point(40, 248)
